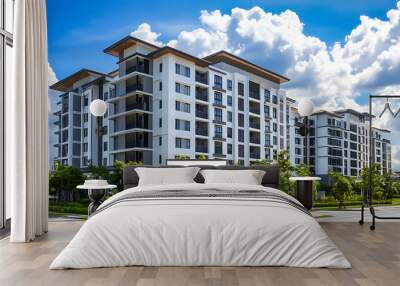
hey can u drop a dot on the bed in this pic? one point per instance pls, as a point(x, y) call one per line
point(201, 224)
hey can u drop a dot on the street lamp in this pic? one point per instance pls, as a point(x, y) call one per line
point(98, 108)
point(305, 108)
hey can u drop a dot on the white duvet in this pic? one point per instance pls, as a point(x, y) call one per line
point(200, 231)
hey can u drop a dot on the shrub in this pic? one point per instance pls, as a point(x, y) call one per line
point(341, 187)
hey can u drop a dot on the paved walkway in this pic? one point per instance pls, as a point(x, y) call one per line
point(354, 215)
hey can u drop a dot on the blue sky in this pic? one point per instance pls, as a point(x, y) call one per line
point(80, 30)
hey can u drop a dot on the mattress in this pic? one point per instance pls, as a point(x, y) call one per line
point(201, 225)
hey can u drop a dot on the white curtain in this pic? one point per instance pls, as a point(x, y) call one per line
point(26, 124)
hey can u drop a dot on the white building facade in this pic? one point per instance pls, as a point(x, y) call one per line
point(338, 141)
point(163, 104)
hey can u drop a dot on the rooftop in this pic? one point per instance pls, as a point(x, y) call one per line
point(67, 83)
point(222, 56)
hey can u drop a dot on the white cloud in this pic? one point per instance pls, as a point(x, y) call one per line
point(145, 33)
point(366, 61)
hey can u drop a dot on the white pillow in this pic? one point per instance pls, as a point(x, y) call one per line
point(248, 177)
point(166, 176)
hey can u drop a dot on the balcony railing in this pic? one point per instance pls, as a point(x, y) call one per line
point(202, 114)
point(254, 94)
point(202, 95)
point(141, 69)
point(202, 131)
point(201, 149)
point(201, 78)
point(134, 87)
point(255, 140)
point(254, 124)
point(255, 110)
point(255, 155)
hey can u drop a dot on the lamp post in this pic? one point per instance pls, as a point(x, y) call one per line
point(98, 108)
point(305, 108)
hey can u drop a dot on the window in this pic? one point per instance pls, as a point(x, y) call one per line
point(218, 114)
point(160, 104)
point(159, 141)
point(241, 119)
point(229, 100)
point(241, 150)
point(182, 125)
point(85, 117)
point(218, 81)
point(267, 111)
point(85, 147)
point(229, 84)
point(160, 122)
point(229, 148)
point(241, 104)
point(267, 95)
point(182, 88)
point(254, 90)
point(240, 89)
point(229, 131)
point(159, 159)
point(275, 99)
point(218, 97)
point(160, 67)
point(85, 132)
point(182, 70)
point(218, 131)
point(160, 85)
point(218, 147)
point(182, 106)
point(274, 113)
point(105, 146)
point(182, 143)
point(229, 116)
point(241, 135)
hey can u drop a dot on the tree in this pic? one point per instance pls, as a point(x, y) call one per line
point(285, 171)
point(99, 172)
point(377, 181)
point(341, 187)
point(63, 182)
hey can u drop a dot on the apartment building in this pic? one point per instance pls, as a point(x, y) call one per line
point(78, 144)
point(338, 141)
point(164, 103)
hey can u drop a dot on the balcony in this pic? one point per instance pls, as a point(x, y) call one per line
point(255, 155)
point(202, 94)
point(255, 140)
point(202, 114)
point(254, 107)
point(201, 77)
point(254, 124)
point(134, 87)
point(141, 69)
point(201, 131)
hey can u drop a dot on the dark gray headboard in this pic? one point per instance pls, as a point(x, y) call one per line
point(270, 179)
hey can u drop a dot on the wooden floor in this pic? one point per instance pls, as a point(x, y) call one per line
point(375, 257)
